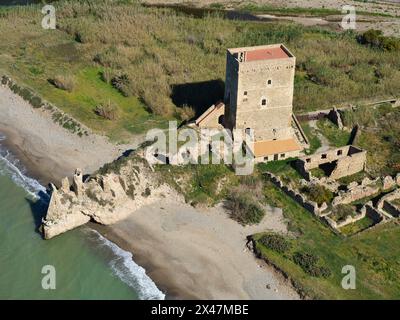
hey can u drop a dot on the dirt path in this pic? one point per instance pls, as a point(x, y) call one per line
point(325, 145)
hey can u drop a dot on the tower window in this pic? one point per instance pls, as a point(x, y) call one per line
point(245, 93)
point(269, 82)
point(264, 102)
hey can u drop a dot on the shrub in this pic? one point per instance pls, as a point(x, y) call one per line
point(375, 38)
point(309, 263)
point(4, 80)
point(244, 208)
point(26, 94)
point(107, 111)
point(186, 113)
point(157, 103)
point(275, 242)
point(318, 193)
point(341, 211)
point(121, 83)
point(63, 82)
point(107, 75)
point(36, 102)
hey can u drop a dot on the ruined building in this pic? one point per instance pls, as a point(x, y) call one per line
point(259, 96)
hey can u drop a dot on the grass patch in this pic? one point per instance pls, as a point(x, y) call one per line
point(318, 194)
point(379, 136)
point(357, 177)
point(336, 137)
point(313, 139)
point(284, 169)
point(357, 226)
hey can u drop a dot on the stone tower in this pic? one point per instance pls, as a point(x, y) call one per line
point(259, 91)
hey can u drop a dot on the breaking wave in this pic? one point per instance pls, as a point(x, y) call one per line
point(129, 272)
point(11, 166)
point(121, 264)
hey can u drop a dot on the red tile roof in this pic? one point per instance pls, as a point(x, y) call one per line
point(266, 54)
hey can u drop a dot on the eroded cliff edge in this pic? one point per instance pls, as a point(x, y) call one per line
point(106, 197)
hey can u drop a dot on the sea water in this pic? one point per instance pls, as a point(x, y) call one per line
point(86, 265)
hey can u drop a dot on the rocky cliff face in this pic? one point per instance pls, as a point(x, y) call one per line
point(104, 198)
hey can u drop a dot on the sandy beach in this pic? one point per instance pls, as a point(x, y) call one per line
point(47, 150)
point(200, 253)
point(188, 252)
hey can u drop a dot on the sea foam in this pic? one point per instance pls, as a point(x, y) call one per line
point(14, 169)
point(122, 265)
point(131, 273)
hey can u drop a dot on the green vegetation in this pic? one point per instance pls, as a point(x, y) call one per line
point(379, 135)
point(376, 39)
point(107, 111)
point(275, 242)
point(342, 211)
point(244, 207)
point(152, 62)
point(318, 193)
point(310, 264)
point(374, 254)
point(336, 137)
point(317, 172)
point(200, 184)
point(312, 137)
point(357, 177)
point(63, 82)
point(357, 226)
point(284, 169)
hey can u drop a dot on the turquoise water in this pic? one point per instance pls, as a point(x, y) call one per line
point(87, 265)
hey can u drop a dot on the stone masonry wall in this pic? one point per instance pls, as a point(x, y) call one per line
point(249, 79)
point(296, 196)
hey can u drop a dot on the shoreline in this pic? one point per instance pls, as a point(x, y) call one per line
point(201, 254)
point(48, 151)
point(189, 253)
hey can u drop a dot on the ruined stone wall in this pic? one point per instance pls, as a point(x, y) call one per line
point(348, 220)
point(356, 193)
point(393, 210)
point(315, 160)
point(296, 196)
point(348, 160)
point(349, 165)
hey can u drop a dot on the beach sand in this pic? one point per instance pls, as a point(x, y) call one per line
point(200, 253)
point(188, 252)
point(49, 151)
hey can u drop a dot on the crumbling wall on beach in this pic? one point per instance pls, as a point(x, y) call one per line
point(104, 198)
